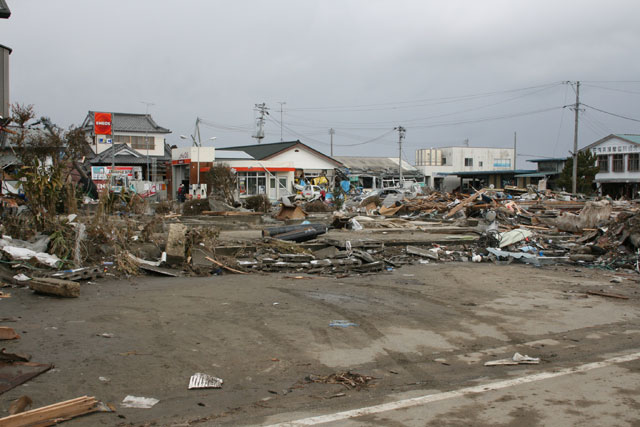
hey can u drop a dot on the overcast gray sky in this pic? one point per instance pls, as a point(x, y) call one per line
point(446, 71)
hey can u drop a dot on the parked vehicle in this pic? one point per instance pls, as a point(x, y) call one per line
point(311, 192)
point(380, 192)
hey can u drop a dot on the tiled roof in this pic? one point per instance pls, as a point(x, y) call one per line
point(266, 151)
point(129, 122)
point(136, 158)
point(4, 10)
point(374, 163)
point(262, 151)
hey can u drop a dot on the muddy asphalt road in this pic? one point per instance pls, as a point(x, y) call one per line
point(421, 330)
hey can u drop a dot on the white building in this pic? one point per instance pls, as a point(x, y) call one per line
point(276, 167)
point(438, 163)
point(618, 158)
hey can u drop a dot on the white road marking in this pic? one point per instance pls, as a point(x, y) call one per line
point(416, 401)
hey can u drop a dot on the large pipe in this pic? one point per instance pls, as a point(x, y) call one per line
point(274, 231)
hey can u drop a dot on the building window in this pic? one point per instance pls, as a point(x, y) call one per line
point(252, 183)
point(468, 161)
point(444, 161)
point(634, 163)
point(603, 163)
point(502, 163)
point(136, 142)
point(479, 164)
point(618, 163)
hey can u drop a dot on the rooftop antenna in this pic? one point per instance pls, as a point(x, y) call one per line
point(264, 111)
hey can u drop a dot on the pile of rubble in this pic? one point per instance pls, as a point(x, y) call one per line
point(368, 235)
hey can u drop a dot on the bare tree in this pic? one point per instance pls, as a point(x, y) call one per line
point(222, 182)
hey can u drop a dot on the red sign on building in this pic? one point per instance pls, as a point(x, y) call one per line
point(102, 123)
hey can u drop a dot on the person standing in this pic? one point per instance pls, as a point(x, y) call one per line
point(181, 193)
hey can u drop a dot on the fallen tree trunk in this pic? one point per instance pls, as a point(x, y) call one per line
point(57, 287)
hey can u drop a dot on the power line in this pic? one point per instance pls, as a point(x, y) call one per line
point(420, 102)
point(490, 118)
point(614, 89)
point(612, 114)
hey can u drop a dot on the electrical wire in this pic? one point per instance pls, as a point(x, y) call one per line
point(613, 89)
point(490, 118)
point(566, 92)
point(611, 114)
point(420, 102)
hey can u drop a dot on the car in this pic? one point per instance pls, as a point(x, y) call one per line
point(380, 193)
point(311, 192)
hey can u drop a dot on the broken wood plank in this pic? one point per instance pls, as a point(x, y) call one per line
point(607, 294)
point(464, 203)
point(19, 405)
point(52, 414)
point(7, 333)
point(13, 357)
point(389, 211)
point(226, 267)
point(230, 213)
point(57, 287)
point(15, 373)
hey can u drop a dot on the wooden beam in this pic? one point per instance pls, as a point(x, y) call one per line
point(52, 414)
point(219, 264)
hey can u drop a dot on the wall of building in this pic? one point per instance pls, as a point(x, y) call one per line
point(278, 176)
point(452, 159)
point(303, 159)
point(617, 147)
point(158, 150)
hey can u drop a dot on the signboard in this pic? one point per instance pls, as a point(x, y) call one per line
point(101, 173)
point(102, 124)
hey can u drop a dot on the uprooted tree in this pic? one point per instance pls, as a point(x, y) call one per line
point(222, 182)
point(47, 154)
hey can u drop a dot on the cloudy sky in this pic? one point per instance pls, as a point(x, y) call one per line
point(446, 71)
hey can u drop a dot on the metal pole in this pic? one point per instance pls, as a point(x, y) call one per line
point(199, 144)
point(113, 147)
point(515, 155)
point(146, 137)
point(281, 119)
point(401, 131)
point(574, 183)
point(332, 132)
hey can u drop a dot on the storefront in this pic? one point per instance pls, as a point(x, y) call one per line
point(188, 167)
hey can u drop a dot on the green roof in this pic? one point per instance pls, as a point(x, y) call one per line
point(629, 137)
point(536, 174)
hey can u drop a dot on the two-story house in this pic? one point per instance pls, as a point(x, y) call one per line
point(618, 158)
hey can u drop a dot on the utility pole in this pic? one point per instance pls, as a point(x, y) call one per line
point(574, 182)
point(515, 152)
point(401, 132)
point(332, 132)
point(113, 146)
point(146, 135)
point(281, 119)
point(264, 111)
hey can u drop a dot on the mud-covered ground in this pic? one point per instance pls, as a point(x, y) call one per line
point(420, 329)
